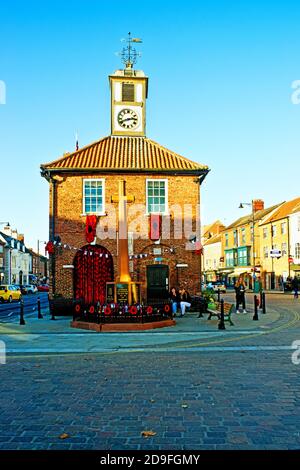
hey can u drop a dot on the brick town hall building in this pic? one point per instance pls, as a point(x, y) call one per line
point(162, 214)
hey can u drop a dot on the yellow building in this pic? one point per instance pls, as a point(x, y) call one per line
point(241, 245)
point(212, 250)
point(275, 246)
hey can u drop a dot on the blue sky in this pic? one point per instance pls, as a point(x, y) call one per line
point(219, 93)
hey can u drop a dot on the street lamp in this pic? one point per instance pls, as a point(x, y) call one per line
point(241, 206)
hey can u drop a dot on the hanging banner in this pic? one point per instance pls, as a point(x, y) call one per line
point(155, 227)
point(90, 228)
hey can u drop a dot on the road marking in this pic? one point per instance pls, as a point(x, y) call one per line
point(13, 352)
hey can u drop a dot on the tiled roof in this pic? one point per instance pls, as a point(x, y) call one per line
point(213, 228)
point(259, 215)
point(284, 210)
point(126, 154)
point(214, 239)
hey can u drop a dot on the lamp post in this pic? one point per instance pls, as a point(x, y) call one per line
point(241, 206)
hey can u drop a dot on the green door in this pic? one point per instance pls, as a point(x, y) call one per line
point(157, 282)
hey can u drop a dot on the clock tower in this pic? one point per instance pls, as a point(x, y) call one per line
point(129, 89)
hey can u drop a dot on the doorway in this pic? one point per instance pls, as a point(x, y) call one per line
point(157, 282)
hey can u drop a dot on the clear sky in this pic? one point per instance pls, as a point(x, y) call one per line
point(219, 93)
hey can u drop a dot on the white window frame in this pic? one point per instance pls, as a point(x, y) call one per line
point(103, 196)
point(166, 196)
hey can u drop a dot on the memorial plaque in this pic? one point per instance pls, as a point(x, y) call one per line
point(122, 293)
point(110, 293)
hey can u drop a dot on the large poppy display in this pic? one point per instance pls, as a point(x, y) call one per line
point(93, 268)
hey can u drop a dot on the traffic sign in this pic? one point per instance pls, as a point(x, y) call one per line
point(275, 253)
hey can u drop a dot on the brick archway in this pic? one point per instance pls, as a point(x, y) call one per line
point(93, 268)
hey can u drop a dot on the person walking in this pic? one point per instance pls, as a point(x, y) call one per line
point(295, 285)
point(185, 301)
point(240, 289)
point(174, 298)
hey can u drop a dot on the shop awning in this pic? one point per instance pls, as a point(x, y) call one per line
point(239, 271)
point(295, 267)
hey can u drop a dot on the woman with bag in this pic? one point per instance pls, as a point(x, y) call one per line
point(240, 289)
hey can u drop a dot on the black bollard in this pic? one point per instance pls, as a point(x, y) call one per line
point(52, 311)
point(221, 324)
point(263, 303)
point(39, 308)
point(22, 321)
point(255, 316)
point(219, 297)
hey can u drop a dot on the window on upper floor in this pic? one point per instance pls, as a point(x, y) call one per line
point(93, 196)
point(243, 236)
point(157, 196)
point(297, 250)
point(266, 252)
point(229, 259)
point(1, 248)
point(274, 230)
point(243, 257)
point(235, 237)
point(265, 232)
point(283, 228)
point(226, 239)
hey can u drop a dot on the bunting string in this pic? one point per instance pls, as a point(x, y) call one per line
point(86, 251)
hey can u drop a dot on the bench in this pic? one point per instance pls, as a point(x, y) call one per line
point(228, 309)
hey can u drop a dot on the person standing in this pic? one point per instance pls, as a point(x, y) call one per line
point(174, 298)
point(295, 285)
point(185, 301)
point(240, 289)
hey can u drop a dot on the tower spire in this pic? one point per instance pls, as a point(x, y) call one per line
point(129, 54)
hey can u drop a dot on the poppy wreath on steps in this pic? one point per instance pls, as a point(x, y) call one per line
point(149, 310)
point(167, 308)
point(92, 309)
point(77, 308)
point(133, 310)
point(90, 228)
point(107, 310)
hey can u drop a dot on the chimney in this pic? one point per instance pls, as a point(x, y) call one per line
point(258, 205)
point(21, 237)
point(7, 230)
point(14, 234)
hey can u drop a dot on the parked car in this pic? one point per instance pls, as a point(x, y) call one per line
point(29, 289)
point(43, 288)
point(216, 285)
point(9, 292)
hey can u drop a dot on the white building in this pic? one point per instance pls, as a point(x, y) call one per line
point(16, 258)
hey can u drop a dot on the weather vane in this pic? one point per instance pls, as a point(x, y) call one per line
point(129, 55)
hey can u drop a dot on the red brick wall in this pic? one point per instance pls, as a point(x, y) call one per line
point(70, 226)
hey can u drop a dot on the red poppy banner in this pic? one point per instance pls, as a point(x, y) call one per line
point(90, 228)
point(155, 227)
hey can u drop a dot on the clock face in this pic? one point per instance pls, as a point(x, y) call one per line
point(128, 118)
